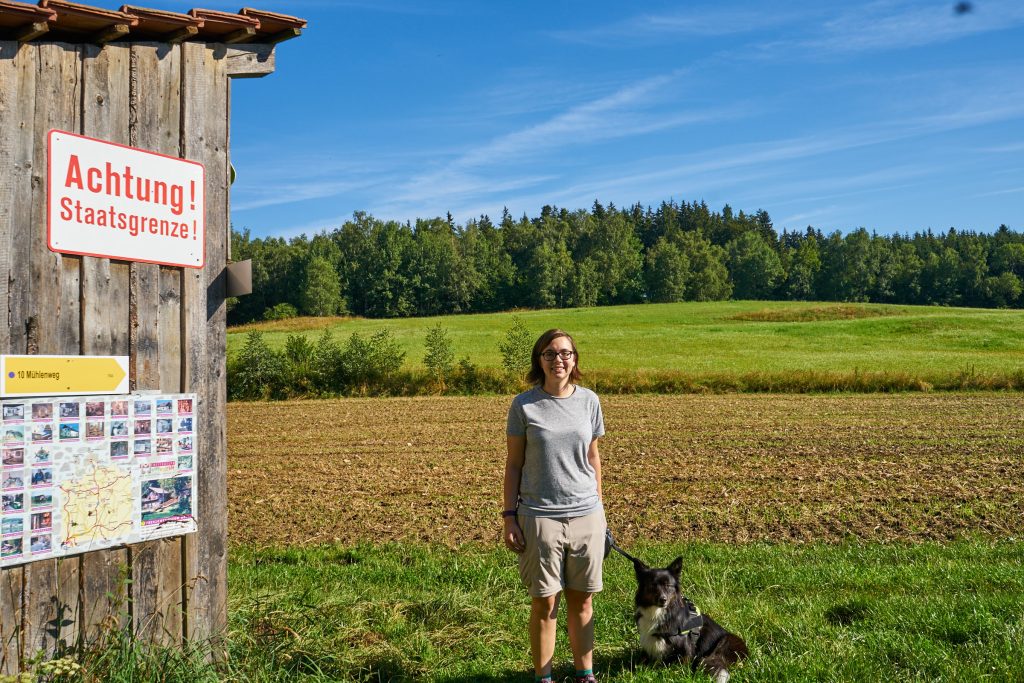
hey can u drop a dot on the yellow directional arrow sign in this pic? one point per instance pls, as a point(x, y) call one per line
point(63, 375)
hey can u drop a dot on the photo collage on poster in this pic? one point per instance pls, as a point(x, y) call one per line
point(84, 473)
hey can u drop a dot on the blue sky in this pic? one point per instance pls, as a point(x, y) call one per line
point(896, 116)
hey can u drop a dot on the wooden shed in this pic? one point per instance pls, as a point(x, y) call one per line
point(158, 81)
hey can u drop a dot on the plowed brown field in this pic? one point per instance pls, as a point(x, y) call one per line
point(724, 467)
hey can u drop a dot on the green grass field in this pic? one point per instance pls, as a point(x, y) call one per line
point(847, 612)
point(724, 338)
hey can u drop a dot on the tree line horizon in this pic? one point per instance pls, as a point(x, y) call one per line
point(608, 256)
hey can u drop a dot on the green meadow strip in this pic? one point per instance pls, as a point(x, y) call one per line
point(848, 612)
point(736, 346)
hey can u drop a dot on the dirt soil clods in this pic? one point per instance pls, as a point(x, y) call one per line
point(734, 468)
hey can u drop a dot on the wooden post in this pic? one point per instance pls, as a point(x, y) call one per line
point(17, 110)
point(205, 100)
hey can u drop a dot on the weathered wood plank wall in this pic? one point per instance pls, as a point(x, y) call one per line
point(170, 321)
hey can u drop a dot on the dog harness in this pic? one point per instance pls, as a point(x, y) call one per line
point(691, 629)
point(692, 626)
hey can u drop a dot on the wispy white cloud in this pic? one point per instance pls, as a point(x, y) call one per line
point(438, 193)
point(715, 169)
point(706, 22)
point(710, 175)
point(809, 191)
point(802, 219)
point(694, 168)
point(620, 114)
point(612, 116)
point(290, 193)
point(1008, 148)
point(310, 227)
point(531, 90)
point(896, 24)
point(813, 29)
point(303, 177)
point(534, 95)
point(994, 193)
point(487, 169)
point(477, 189)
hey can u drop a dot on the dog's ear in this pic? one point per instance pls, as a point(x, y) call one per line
point(676, 567)
point(639, 567)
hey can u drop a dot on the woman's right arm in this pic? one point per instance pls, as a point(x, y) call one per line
point(513, 535)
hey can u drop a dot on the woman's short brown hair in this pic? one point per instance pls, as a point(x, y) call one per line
point(536, 374)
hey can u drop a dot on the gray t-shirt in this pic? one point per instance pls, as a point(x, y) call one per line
point(557, 479)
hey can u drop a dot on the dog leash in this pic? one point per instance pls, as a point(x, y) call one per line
point(610, 545)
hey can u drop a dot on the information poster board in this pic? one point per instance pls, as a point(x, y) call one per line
point(90, 472)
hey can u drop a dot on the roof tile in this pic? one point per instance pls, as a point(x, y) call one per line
point(75, 22)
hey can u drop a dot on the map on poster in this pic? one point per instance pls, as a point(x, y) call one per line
point(91, 472)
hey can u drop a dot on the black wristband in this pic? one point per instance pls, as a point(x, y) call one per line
point(509, 513)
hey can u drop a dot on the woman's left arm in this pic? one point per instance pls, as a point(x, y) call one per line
point(594, 458)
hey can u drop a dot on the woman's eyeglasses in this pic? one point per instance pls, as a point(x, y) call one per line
point(564, 354)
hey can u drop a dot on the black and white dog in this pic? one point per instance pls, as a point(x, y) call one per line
point(672, 629)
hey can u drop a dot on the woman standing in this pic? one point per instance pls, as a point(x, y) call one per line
point(553, 514)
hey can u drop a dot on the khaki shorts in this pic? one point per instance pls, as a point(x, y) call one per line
point(562, 552)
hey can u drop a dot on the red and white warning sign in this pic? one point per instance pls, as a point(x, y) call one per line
point(105, 199)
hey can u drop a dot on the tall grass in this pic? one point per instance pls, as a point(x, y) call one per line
point(118, 657)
